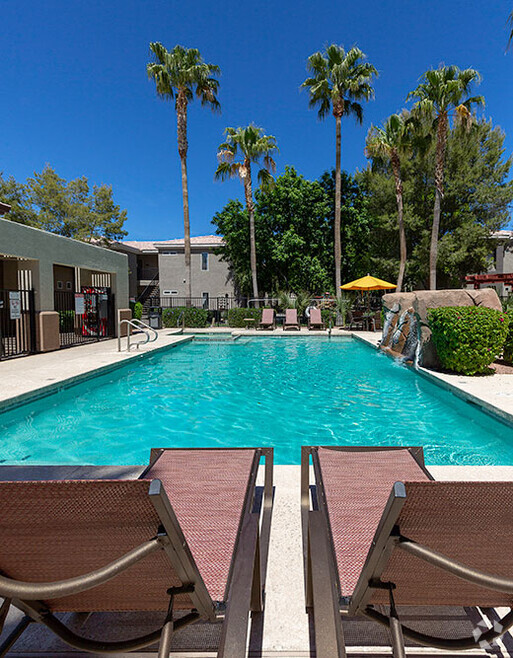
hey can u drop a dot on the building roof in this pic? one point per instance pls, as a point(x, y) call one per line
point(4, 208)
point(146, 246)
point(504, 234)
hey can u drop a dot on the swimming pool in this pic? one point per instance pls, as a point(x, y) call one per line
point(283, 392)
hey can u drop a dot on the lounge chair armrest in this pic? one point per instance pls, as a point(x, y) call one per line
point(10, 588)
point(497, 583)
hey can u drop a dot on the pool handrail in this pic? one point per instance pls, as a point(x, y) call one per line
point(141, 326)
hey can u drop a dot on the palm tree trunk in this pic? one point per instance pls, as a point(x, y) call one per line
point(441, 141)
point(396, 167)
point(338, 185)
point(252, 240)
point(181, 115)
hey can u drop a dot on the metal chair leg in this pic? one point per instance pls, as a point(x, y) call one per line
point(9, 641)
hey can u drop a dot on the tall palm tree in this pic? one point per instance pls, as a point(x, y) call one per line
point(443, 92)
point(338, 81)
point(179, 75)
point(254, 146)
point(391, 143)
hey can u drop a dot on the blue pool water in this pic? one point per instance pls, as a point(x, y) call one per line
point(282, 392)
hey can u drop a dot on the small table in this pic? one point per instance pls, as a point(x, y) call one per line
point(249, 322)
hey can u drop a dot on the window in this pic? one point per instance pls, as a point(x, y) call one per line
point(205, 299)
point(204, 261)
point(167, 293)
point(169, 253)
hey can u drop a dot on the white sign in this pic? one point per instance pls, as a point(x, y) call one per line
point(79, 304)
point(15, 305)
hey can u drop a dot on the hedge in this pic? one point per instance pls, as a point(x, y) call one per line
point(508, 345)
point(187, 316)
point(66, 321)
point(236, 316)
point(468, 338)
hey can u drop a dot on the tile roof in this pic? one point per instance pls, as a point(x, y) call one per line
point(146, 245)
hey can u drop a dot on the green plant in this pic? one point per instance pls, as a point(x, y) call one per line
point(508, 345)
point(236, 316)
point(468, 338)
point(66, 321)
point(329, 316)
point(188, 316)
point(137, 311)
point(343, 305)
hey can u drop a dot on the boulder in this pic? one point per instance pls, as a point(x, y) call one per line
point(394, 304)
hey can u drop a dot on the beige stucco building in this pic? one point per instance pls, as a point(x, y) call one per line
point(160, 266)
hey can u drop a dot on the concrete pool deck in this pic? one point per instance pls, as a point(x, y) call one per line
point(284, 631)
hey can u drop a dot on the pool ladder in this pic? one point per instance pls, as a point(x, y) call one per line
point(150, 334)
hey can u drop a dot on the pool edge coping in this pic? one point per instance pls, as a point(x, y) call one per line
point(44, 391)
point(487, 407)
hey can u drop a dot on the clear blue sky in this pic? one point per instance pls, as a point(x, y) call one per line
point(75, 92)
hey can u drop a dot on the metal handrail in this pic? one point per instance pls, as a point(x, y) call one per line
point(137, 324)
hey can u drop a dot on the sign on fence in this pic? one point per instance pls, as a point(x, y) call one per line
point(79, 304)
point(15, 305)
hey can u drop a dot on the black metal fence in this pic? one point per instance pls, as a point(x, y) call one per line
point(85, 317)
point(208, 303)
point(17, 323)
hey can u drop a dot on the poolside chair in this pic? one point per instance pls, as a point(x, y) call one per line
point(315, 319)
point(291, 320)
point(378, 531)
point(268, 321)
point(191, 534)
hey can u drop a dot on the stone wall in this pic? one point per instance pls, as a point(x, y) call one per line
point(406, 332)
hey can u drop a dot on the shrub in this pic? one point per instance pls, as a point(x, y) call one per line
point(508, 345)
point(468, 338)
point(137, 311)
point(328, 314)
point(66, 321)
point(189, 316)
point(236, 316)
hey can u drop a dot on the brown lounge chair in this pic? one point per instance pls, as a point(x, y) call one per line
point(291, 320)
point(315, 319)
point(191, 534)
point(268, 321)
point(378, 531)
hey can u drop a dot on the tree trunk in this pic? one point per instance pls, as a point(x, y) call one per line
point(181, 115)
point(338, 185)
point(248, 190)
point(441, 141)
point(396, 167)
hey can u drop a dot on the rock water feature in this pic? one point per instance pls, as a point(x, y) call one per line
point(406, 333)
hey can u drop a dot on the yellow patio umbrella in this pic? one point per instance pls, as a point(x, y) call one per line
point(368, 283)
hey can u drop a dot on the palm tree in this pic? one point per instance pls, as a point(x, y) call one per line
point(338, 81)
point(442, 92)
point(254, 146)
point(391, 143)
point(180, 74)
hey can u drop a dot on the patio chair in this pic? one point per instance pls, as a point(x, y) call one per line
point(378, 531)
point(291, 321)
point(315, 319)
point(191, 534)
point(268, 321)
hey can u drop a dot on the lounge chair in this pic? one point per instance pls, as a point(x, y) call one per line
point(380, 532)
point(268, 321)
point(191, 534)
point(315, 319)
point(291, 320)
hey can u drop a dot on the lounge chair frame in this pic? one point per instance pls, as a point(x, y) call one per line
point(322, 586)
point(246, 580)
point(269, 326)
point(287, 326)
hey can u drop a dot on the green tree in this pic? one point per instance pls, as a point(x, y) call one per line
point(476, 203)
point(253, 146)
point(338, 82)
point(355, 223)
point(72, 209)
point(441, 93)
point(392, 143)
point(179, 75)
point(294, 234)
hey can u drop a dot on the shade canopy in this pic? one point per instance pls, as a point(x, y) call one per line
point(368, 283)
